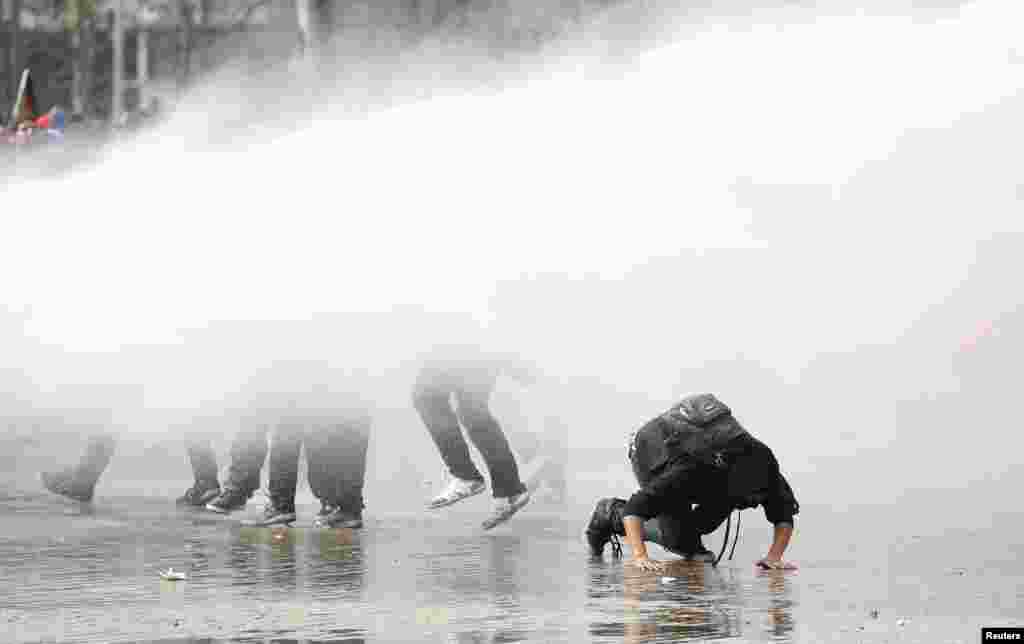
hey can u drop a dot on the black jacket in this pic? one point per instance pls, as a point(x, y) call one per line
point(696, 444)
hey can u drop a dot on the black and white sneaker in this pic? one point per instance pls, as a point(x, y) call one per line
point(228, 501)
point(504, 508)
point(273, 514)
point(340, 518)
point(325, 509)
point(456, 490)
point(199, 494)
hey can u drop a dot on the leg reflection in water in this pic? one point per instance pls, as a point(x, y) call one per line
point(499, 584)
point(298, 581)
point(688, 601)
point(778, 623)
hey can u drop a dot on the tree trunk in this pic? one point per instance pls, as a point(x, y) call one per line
point(87, 36)
point(4, 66)
point(315, 21)
point(117, 82)
point(77, 104)
point(142, 66)
point(77, 22)
point(325, 19)
point(185, 41)
point(206, 20)
point(14, 53)
point(307, 39)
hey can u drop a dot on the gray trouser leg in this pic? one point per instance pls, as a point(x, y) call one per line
point(248, 452)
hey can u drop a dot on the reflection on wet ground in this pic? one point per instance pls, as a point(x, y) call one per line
point(80, 574)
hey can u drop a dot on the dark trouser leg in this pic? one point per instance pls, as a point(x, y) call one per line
point(435, 409)
point(710, 514)
point(673, 532)
point(318, 462)
point(204, 462)
point(285, 447)
point(353, 440)
point(248, 452)
point(679, 527)
point(338, 458)
point(95, 459)
point(486, 434)
point(680, 530)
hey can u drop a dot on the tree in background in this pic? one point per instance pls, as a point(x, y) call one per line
point(80, 23)
point(12, 14)
point(186, 42)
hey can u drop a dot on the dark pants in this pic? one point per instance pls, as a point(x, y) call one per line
point(471, 390)
point(680, 530)
point(700, 505)
point(204, 462)
point(747, 476)
point(248, 453)
point(336, 459)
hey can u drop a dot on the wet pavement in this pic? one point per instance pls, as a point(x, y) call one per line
point(75, 573)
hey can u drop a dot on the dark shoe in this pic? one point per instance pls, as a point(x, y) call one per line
point(230, 499)
point(273, 514)
point(605, 523)
point(199, 495)
point(340, 519)
point(64, 484)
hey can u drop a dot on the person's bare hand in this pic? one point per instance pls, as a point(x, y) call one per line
point(775, 564)
point(648, 565)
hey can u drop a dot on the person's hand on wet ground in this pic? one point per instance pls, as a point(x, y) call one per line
point(775, 564)
point(648, 565)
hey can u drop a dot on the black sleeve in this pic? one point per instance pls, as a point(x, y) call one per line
point(663, 490)
point(781, 505)
point(643, 504)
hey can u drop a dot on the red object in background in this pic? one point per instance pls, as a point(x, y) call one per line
point(986, 329)
point(43, 121)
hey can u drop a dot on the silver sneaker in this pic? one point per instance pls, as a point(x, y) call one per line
point(457, 490)
point(504, 508)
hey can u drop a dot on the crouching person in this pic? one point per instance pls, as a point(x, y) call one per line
point(695, 454)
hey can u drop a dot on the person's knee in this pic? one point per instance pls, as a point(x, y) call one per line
point(475, 416)
point(427, 400)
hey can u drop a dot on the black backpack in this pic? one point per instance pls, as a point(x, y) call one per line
point(695, 429)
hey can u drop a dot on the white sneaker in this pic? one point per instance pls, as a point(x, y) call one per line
point(457, 490)
point(505, 507)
